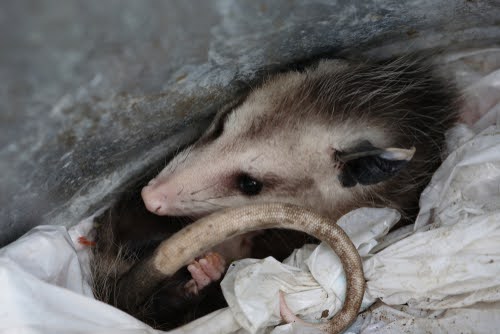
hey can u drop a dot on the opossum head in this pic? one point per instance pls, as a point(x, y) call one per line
point(328, 138)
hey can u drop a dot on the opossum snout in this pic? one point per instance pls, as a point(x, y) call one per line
point(156, 199)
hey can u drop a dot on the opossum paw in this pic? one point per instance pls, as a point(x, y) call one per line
point(205, 271)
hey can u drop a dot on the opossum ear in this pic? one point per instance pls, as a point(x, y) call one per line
point(366, 164)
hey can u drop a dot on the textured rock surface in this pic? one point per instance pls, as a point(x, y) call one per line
point(94, 92)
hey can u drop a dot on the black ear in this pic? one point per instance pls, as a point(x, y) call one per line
point(366, 164)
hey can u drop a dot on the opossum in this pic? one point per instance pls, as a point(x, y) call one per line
point(335, 136)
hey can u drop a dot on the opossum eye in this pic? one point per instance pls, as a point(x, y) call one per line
point(248, 185)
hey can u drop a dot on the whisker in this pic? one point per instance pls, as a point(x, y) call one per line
point(206, 188)
point(213, 204)
point(180, 191)
point(224, 196)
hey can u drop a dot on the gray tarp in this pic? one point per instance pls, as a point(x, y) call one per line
point(92, 93)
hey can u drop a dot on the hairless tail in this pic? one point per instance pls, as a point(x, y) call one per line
point(179, 250)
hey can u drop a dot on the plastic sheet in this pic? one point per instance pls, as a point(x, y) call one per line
point(445, 267)
point(312, 277)
point(44, 287)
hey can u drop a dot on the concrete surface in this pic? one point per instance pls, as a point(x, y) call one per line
point(94, 93)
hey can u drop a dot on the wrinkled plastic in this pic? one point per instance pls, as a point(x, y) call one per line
point(441, 274)
point(44, 287)
point(312, 277)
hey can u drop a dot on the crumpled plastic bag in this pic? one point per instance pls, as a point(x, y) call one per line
point(439, 275)
point(312, 277)
point(44, 287)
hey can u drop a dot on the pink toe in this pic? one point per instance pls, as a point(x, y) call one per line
point(286, 314)
point(199, 276)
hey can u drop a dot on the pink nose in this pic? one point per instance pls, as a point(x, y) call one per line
point(155, 200)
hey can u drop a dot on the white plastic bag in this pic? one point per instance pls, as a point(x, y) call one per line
point(43, 287)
